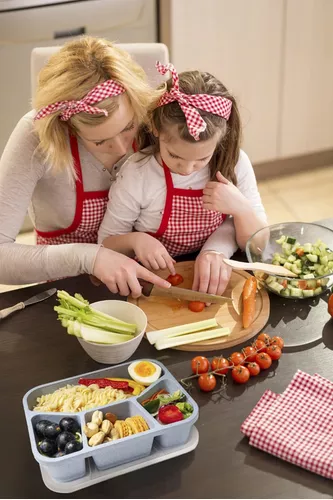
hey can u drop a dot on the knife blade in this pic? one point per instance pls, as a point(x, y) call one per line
point(174, 292)
point(33, 300)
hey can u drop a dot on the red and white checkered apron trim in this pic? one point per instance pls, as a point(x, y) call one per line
point(185, 224)
point(89, 212)
point(296, 426)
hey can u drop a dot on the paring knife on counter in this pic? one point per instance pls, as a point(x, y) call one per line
point(21, 305)
point(174, 292)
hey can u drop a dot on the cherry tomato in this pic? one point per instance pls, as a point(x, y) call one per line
point(264, 337)
point(200, 364)
point(175, 279)
point(196, 306)
point(274, 351)
point(250, 353)
point(169, 414)
point(278, 341)
point(237, 358)
point(240, 374)
point(207, 382)
point(254, 369)
point(263, 360)
point(330, 305)
point(260, 345)
point(220, 363)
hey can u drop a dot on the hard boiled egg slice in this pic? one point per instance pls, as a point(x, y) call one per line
point(144, 372)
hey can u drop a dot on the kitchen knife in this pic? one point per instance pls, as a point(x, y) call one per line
point(174, 292)
point(21, 305)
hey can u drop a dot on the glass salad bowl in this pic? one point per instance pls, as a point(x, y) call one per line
point(303, 248)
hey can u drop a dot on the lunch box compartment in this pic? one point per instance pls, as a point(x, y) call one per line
point(108, 455)
point(66, 468)
point(126, 449)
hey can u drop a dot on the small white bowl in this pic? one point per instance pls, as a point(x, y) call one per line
point(117, 353)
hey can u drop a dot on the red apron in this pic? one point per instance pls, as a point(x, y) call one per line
point(89, 212)
point(185, 224)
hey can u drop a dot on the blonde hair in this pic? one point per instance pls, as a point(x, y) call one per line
point(70, 74)
point(227, 150)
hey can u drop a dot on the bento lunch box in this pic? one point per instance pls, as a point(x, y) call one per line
point(107, 455)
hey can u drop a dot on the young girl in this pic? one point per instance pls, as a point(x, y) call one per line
point(60, 162)
point(188, 186)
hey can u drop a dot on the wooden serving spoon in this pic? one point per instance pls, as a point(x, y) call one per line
point(260, 266)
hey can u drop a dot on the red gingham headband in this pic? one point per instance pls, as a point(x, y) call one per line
point(217, 105)
point(109, 88)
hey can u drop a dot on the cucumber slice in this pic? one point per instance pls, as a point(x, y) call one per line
point(291, 258)
point(286, 246)
point(307, 248)
point(309, 276)
point(308, 293)
point(276, 262)
point(270, 279)
point(312, 257)
point(276, 287)
point(318, 290)
point(288, 265)
point(291, 240)
point(312, 284)
point(281, 240)
point(296, 292)
point(285, 292)
point(295, 269)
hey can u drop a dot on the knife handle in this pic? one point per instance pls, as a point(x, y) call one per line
point(146, 287)
point(9, 310)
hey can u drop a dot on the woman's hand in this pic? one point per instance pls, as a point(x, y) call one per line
point(224, 197)
point(120, 273)
point(211, 274)
point(151, 253)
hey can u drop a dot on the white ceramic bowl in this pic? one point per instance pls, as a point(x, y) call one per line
point(117, 353)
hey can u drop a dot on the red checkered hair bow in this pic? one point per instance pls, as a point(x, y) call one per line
point(217, 105)
point(109, 88)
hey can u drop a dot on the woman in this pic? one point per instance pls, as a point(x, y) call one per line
point(61, 161)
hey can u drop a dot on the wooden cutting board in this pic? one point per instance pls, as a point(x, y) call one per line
point(164, 313)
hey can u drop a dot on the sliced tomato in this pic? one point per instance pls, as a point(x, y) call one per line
point(302, 284)
point(175, 279)
point(169, 414)
point(300, 252)
point(196, 306)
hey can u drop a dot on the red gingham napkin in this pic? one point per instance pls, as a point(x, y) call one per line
point(296, 426)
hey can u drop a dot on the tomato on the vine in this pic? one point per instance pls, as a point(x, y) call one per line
point(330, 305)
point(200, 364)
point(240, 374)
point(264, 337)
point(274, 351)
point(220, 365)
point(196, 306)
point(263, 360)
point(253, 368)
point(277, 341)
point(175, 279)
point(249, 353)
point(207, 382)
point(259, 345)
point(237, 358)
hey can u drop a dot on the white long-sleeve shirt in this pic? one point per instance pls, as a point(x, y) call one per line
point(138, 196)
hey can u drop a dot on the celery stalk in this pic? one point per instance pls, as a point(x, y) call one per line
point(96, 335)
point(194, 337)
point(174, 331)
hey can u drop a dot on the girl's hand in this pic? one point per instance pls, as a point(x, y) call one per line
point(211, 274)
point(224, 197)
point(120, 273)
point(151, 253)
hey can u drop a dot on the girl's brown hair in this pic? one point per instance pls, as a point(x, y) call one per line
point(226, 153)
point(78, 67)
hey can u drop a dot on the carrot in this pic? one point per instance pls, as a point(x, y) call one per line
point(300, 252)
point(249, 301)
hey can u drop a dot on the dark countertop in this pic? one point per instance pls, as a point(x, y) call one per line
point(34, 350)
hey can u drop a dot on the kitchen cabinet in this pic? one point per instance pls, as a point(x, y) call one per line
point(274, 55)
